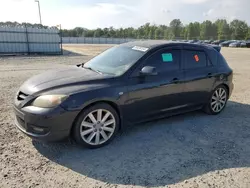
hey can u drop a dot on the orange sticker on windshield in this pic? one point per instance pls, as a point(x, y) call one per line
point(196, 57)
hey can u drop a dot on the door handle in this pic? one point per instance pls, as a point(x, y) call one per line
point(209, 75)
point(175, 81)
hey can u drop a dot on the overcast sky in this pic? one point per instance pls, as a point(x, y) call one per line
point(121, 13)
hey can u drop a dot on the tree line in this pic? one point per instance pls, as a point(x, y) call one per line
point(220, 29)
point(24, 24)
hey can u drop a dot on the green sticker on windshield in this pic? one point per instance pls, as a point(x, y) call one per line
point(167, 57)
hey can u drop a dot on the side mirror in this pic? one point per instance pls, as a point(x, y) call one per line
point(148, 71)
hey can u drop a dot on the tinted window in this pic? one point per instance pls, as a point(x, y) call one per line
point(165, 60)
point(222, 61)
point(195, 59)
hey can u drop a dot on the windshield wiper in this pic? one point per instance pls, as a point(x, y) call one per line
point(89, 68)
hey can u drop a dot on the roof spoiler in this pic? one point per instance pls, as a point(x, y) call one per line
point(216, 47)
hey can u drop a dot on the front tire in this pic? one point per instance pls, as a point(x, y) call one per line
point(96, 126)
point(217, 101)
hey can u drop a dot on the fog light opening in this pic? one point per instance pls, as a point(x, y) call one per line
point(38, 129)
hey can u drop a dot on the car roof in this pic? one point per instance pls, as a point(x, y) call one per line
point(161, 43)
point(147, 43)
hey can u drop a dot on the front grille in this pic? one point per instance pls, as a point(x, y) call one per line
point(21, 96)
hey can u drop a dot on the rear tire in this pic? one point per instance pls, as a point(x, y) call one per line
point(96, 126)
point(217, 101)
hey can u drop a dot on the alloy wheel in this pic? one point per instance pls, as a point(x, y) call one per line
point(219, 100)
point(97, 127)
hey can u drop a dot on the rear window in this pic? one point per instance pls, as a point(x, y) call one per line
point(195, 59)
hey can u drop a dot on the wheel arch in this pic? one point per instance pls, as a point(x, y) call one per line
point(225, 85)
point(222, 84)
point(109, 102)
point(207, 107)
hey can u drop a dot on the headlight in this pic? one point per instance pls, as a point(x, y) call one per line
point(49, 101)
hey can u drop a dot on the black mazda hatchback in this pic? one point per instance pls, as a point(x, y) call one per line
point(130, 83)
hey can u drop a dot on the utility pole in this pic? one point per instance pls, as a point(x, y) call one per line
point(61, 38)
point(60, 32)
point(39, 11)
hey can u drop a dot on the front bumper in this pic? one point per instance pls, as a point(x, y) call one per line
point(44, 124)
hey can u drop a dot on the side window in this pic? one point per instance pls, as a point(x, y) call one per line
point(195, 59)
point(165, 60)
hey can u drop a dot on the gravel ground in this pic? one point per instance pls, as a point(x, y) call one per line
point(190, 150)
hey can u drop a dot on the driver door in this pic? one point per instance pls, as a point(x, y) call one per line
point(156, 95)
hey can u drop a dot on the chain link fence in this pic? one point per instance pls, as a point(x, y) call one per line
point(95, 40)
point(103, 40)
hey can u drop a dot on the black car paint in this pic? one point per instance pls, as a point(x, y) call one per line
point(136, 98)
point(217, 42)
point(226, 43)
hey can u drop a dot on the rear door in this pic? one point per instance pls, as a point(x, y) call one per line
point(199, 76)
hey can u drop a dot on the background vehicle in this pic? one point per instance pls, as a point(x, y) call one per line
point(243, 44)
point(227, 43)
point(235, 44)
point(193, 41)
point(248, 43)
point(129, 83)
point(208, 41)
point(198, 42)
point(217, 42)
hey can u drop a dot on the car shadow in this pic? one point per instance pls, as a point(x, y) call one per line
point(71, 53)
point(163, 152)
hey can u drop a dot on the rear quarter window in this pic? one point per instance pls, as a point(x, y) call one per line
point(212, 56)
point(222, 61)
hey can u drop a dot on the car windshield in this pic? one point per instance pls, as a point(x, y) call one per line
point(115, 61)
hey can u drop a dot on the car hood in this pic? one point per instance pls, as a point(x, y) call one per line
point(54, 79)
